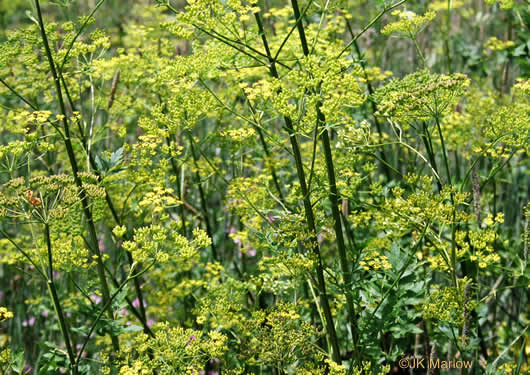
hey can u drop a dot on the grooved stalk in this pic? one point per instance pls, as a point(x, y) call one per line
point(110, 204)
point(373, 105)
point(333, 195)
point(334, 199)
point(176, 171)
point(73, 162)
point(57, 304)
point(267, 154)
point(308, 209)
point(449, 182)
point(202, 198)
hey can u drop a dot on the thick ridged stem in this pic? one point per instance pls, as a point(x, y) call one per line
point(427, 141)
point(136, 281)
point(334, 199)
point(333, 194)
point(108, 199)
point(272, 170)
point(57, 303)
point(267, 154)
point(73, 163)
point(308, 209)
point(202, 198)
point(449, 182)
point(373, 105)
point(176, 172)
point(447, 33)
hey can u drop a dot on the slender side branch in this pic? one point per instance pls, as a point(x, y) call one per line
point(73, 163)
point(333, 196)
point(34, 107)
point(57, 303)
point(308, 208)
point(202, 198)
point(376, 18)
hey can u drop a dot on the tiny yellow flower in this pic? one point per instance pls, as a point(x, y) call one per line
point(5, 314)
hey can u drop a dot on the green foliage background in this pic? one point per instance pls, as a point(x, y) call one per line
point(264, 186)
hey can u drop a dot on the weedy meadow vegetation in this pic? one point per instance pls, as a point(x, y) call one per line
point(264, 186)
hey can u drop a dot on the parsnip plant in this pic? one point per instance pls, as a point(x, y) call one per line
point(264, 187)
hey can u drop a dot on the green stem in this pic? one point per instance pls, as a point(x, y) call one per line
point(202, 198)
point(133, 309)
point(370, 24)
point(242, 196)
point(98, 317)
point(57, 303)
point(109, 201)
point(26, 255)
point(344, 263)
point(79, 32)
point(32, 106)
point(453, 224)
point(444, 149)
point(333, 197)
point(298, 20)
point(223, 39)
point(267, 153)
point(372, 102)
point(447, 35)
point(308, 208)
point(176, 172)
point(427, 141)
point(73, 162)
point(419, 51)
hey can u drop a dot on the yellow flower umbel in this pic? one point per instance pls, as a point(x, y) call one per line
point(409, 24)
point(5, 314)
point(366, 368)
point(450, 304)
point(171, 350)
point(504, 4)
point(495, 44)
point(420, 96)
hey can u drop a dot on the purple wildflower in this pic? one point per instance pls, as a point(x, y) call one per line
point(192, 338)
point(97, 299)
point(30, 322)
